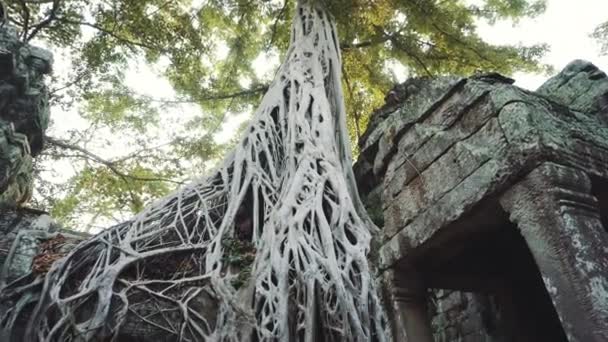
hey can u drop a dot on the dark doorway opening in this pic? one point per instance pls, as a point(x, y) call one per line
point(491, 287)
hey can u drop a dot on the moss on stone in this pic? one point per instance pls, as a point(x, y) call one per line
point(239, 256)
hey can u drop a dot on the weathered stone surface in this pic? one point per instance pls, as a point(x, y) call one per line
point(418, 95)
point(29, 239)
point(560, 221)
point(21, 233)
point(23, 236)
point(510, 129)
point(444, 170)
point(463, 159)
point(15, 167)
point(24, 114)
point(483, 182)
point(379, 141)
point(580, 86)
point(420, 146)
point(459, 316)
point(408, 297)
point(13, 227)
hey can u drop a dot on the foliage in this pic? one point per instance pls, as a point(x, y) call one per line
point(175, 270)
point(601, 35)
point(210, 52)
point(240, 255)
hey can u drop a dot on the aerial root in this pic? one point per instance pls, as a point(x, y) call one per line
point(272, 246)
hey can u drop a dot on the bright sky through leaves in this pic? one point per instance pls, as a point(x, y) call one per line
point(565, 26)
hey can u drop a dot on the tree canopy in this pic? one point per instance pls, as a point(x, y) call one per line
point(129, 147)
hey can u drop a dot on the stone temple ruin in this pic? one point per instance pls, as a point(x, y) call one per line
point(493, 201)
point(494, 207)
point(27, 237)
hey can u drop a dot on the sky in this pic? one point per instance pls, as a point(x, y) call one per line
point(565, 26)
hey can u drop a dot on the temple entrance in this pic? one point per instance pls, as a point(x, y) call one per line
point(486, 286)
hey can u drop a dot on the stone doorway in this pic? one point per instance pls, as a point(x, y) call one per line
point(487, 287)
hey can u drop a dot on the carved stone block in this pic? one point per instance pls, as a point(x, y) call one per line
point(558, 217)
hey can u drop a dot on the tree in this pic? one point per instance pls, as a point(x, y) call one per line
point(601, 35)
point(183, 37)
point(301, 272)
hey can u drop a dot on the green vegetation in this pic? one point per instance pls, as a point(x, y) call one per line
point(130, 147)
point(239, 255)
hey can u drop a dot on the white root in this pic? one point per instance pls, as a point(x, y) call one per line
point(167, 271)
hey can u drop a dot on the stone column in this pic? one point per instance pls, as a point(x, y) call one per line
point(408, 311)
point(559, 219)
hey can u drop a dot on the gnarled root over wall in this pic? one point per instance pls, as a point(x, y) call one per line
point(171, 273)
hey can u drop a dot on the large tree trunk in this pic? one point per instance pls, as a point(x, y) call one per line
point(285, 199)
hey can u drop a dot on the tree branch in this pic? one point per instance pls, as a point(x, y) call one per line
point(109, 164)
point(357, 116)
point(214, 97)
point(26, 18)
point(412, 55)
point(76, 80)
point(247, 92)
point(46, 22)
point(195, 100)
point(111, 34)
point(275, 24)
point(140, 152)
point(372, 42)
point(459, 41)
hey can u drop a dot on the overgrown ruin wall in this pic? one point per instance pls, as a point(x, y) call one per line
point(416, 153)
point(24, 116)
point(490, 199)
point(454, 315)
point(30, 241)
point(462, 316)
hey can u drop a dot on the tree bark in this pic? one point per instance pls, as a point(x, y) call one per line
point(179, 269)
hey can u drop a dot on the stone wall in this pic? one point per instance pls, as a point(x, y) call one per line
point(463, 316)
point(454, 315)
point(493, 194)
point(24, 114)
point(434, 163)
point(30, 241)
point(20, 234)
